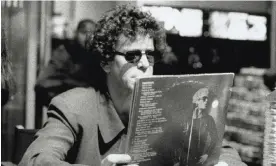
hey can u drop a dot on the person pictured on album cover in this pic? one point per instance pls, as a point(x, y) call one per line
point(200, 136)
point(190, 140)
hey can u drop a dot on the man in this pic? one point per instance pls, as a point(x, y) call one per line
point(87, 126)
point(201, 134)
point(195, 141)
point(67, 67)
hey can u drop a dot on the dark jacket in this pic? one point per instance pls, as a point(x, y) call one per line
point(204, 139)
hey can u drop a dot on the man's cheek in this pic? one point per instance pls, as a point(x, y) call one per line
point(125, 69)
point(128, 81)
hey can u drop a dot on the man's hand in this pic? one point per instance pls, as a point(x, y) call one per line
point(203, 158)
point(117, 159)
point(221, 163)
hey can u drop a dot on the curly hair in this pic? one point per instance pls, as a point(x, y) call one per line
point(128, 21)
point(203, 92)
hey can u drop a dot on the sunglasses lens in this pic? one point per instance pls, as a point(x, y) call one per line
point(133, 56)
point(153, 56)
point(204, 98)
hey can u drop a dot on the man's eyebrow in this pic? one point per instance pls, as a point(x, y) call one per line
point(139, 50)
point(134, 50)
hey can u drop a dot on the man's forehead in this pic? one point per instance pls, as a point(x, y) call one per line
point(139, 40)
point(124, 38)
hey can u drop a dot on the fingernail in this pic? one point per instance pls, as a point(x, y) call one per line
point(119, 158)
point(132, 165)
point(222, 163)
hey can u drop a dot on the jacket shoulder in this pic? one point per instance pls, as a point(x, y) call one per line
point(79, 92)
point(77, 100)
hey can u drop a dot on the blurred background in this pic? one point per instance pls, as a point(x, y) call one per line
point(203, 37)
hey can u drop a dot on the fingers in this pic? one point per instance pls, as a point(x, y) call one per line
point(114, 159)
point(125, 165)
point(201, 161)
point(221, 163)
point(119, 158)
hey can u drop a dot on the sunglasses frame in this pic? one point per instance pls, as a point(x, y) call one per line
point(155, 56)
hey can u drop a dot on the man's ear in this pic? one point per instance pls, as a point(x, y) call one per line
point(106, 67)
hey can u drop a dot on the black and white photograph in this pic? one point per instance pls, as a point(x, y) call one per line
point(138, 83)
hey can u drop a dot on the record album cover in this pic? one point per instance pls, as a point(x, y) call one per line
point(178, 120)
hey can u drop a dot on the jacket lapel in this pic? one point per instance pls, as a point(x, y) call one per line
point(110, 124)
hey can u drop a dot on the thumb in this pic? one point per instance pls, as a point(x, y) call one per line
point(221, 163)
point(116, 159)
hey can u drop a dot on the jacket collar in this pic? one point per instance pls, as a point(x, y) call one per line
point(110, 124)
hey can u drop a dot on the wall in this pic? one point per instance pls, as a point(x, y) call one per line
point(91, 9)
point(273, 37)
point(74, 11)
point(63, 7)
point(245, 6)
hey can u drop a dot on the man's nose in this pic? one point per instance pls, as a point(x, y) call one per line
point(143, 62)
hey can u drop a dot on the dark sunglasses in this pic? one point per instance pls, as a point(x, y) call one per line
point(135, 56)
point(204, 98)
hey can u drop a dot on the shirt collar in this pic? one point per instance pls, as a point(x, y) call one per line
point(110, 124)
